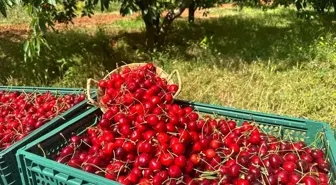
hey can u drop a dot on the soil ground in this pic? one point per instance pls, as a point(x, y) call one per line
point(84, 22)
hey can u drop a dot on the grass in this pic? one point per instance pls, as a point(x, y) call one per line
point(18, 14)
point(114, 7)
point(269, 61)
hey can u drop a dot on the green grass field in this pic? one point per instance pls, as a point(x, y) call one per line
point(269, 61)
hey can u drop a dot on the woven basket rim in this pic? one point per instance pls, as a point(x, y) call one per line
point(159, 71)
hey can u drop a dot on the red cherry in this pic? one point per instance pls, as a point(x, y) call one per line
point(234, 170)
point(180, 161)
point(155, 165)
point(242, 182)
point(166, 159)
point(178, 148)
point(289, 166)
point(174, 171)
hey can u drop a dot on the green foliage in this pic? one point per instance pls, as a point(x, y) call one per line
point(322, 5)
point(44, 13)
point(301, 5)
point(6, 3)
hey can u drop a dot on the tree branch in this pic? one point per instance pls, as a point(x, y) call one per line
point(173, 14)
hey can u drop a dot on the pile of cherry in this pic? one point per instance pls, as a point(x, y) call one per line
point(22, 113)
point(144, 138)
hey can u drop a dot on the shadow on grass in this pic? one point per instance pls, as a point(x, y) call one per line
point(282, 38)
point(77, 55)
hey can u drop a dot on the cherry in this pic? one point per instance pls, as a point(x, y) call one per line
point(307, 157)
point(147, 173)
point(210, 153)
point(323, 166)
point(275, 160)
point(271, 180)
point(162, 137)
point(157, 180)
point(149, 134)
point(214, 144)
point(155, 165)
point(133, 178)
point(294, 178)
point(302, 165)
point(194, 158)
point(255, 139)
point(67, 151)
point(129, 147)
point(256, 160)
point(173, 88)
point(309, 180)
point(120, 153)
point(136, 135)
point(144, 181)
point(174, 171)
point(163, 174)
point(242, 182)
point(250, 177)
point(317, 154)
point(244, 160)
point(234, 170)
point(323, 178)
point(76, 163)
point(232, 124)
point(152, 120)
point(282, 176)
point(180, 161)
point(146, 147)
point(291, 157)
point(166, 159)
point(178, 148)
point(289, 166)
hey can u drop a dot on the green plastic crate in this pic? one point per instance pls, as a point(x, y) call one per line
point(9, 172)
point(39, 88)
point(36, 169)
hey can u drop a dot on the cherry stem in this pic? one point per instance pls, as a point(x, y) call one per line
point(43, 152)
point(90, 164)
point(64, 138)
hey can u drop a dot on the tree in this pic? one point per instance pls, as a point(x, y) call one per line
point(319, 6)
point(199, 4)
point(151, 12)
point(43, 14)
point(157, 15)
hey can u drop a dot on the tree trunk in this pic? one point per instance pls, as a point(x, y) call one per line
point(156, 32)
point(151, 24)
point(152, 29)
point(334, 4)
point(191, 14)
point(170, 17)
point(150, 36)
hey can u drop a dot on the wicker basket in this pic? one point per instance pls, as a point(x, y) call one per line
point(100, 93)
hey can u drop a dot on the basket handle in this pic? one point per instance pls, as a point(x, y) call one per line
point(90, 81)
point(176, 72)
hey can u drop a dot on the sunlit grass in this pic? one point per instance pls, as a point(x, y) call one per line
point(16, 15)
